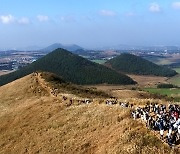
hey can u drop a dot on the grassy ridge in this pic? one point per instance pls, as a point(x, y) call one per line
point(72, 68)
point(136, 65)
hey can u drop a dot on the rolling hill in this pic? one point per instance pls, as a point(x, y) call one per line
point(55, 46)
point(72, 68)
point(34, 121)
point(132, 64)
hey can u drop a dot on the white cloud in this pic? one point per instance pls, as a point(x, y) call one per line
point(176, 5)
point(42, 18)
point(107, 13)
point(6, 19)
point(23, 20)
point(155, 8)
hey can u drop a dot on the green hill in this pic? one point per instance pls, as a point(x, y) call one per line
point(132, 64)
point(72, 68)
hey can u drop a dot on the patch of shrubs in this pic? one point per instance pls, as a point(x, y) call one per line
point(167, 86)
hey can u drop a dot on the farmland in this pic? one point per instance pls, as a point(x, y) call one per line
point(163, 60)
point(99, 61)
point(174, 92)
point(177, 70)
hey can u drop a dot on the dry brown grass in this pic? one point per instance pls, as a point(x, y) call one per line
point(50, 127)
point(148, 81)
point(39, 123)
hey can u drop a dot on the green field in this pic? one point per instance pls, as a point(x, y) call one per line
point(177, 70)
point(176, 79)
point(99, 61)
point(164, 91)
point(174, 92)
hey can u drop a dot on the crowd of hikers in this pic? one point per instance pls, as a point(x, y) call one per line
point(158, 117)
point(162, 118)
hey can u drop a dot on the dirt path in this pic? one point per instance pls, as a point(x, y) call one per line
point(44, 85)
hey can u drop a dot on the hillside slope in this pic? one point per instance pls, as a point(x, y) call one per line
point(34, 121)
point(136, 65)
point(72, 68)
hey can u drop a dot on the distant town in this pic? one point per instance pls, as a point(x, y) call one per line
point(12, 60)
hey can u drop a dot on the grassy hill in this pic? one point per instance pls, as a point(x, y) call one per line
point(33, 121)
point(72, 68)
point(132, 64)
point(41, 85)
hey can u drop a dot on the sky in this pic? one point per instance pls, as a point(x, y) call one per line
point(89, 23)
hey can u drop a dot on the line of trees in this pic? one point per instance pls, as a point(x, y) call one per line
point(166, 86)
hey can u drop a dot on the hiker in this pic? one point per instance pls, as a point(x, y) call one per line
point(64, 98)
point(150, 123)
point(171, 140)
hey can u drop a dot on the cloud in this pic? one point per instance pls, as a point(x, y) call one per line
point(155, 8)
point(107, 13)
point(42, 18)
point(6, 19)
point(176, 5)
point(24, 21)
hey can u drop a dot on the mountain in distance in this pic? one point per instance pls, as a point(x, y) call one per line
point(55, 46)
point(72, 68)
point(132, 64)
